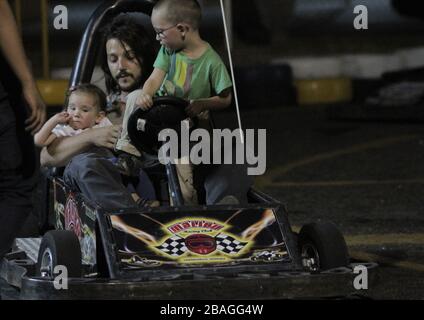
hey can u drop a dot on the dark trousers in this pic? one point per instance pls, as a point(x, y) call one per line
point(98, 179)
point(17, 171)
point(214, 182)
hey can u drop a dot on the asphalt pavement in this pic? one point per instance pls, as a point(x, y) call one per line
point(365, 176)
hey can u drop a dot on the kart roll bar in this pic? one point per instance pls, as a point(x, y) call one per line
point(90, 43)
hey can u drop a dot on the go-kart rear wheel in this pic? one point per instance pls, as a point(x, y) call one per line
point(322, 247)
point(59, 247)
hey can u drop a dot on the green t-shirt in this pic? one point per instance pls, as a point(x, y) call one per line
point(187, 78)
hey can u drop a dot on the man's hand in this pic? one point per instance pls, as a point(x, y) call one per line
point(63, 149)
point(144, 101)
point(11, 47)
point(106, 136)
point(37, 108)
point(194, 108)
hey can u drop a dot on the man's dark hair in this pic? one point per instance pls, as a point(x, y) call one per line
point(90, 89)
point(127, 31)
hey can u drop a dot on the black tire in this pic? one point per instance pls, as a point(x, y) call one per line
point(62, 248)
point(326, 241)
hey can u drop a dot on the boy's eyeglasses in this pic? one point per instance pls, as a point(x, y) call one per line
point(161, 32)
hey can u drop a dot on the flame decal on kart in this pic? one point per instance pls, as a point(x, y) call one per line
point(226, 238)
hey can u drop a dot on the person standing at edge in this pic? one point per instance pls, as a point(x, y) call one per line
point(16, 185)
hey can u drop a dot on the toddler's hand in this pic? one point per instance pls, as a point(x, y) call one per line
point(62, 117)
point(194, 108)
point(144, 101)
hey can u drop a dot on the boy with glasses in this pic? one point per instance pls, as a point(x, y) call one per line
point(186, 67)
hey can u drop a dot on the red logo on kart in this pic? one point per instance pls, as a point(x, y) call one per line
point(72, 219)
point(200, 243)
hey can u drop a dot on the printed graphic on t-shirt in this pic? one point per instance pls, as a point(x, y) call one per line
point(178, 81)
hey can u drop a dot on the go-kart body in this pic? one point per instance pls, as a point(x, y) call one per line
point(196, 252)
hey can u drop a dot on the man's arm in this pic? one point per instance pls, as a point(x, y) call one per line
point(12, 48)
point(61, 151)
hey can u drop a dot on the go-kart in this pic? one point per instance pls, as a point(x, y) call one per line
point(222, 251)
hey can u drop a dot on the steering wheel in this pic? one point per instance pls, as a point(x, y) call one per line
point(144, 125)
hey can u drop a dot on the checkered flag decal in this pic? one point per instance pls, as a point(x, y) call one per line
point(174, 246)
point(228, 244)
point(268, 255)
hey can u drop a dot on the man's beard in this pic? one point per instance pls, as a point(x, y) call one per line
point(135, 85)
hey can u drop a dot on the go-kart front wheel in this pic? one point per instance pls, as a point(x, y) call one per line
point(322, 247)
point(59, 247)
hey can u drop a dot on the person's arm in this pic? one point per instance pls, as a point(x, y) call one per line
point(221, 101)
point(45, 137)
point(61, 151)
point(151, 86)
point(47, 140)
point(12, 48)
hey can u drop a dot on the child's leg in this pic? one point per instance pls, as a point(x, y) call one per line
point(145, 202)
point(145, 187)
point(185, 177)
point(123, 142)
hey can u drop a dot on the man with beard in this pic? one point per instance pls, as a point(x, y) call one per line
point(127, 59)
point(127, 62)
point(124, 70)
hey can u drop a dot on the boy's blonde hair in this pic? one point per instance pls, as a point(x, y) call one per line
point(177, 11)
